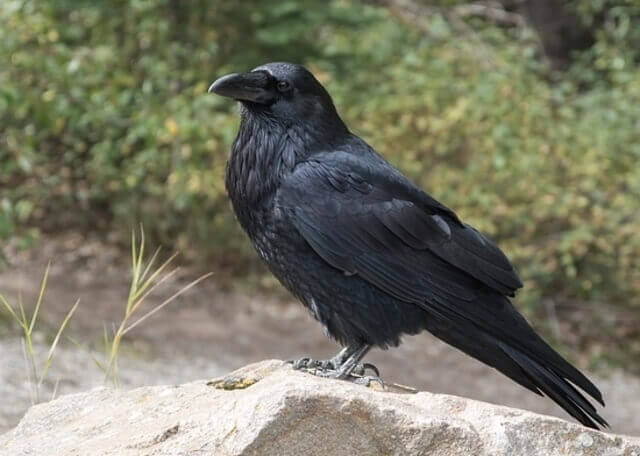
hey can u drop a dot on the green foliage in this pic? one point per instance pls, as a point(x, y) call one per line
point(615, 56)
point(104, 122)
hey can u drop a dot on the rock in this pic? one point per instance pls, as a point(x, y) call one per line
point(269, 409)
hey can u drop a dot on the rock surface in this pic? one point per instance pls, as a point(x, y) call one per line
point(269, 409)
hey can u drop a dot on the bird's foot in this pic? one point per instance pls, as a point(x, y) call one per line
point(358, 373)
point(310, 364)
point(304, 363)
point(330, 368)
point(332, 364)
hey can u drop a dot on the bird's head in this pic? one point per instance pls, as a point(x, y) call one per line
point(286, 92)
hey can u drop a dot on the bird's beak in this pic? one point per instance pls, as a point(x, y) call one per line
point(253, 87)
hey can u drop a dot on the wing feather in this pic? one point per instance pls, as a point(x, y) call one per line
point(384, 211)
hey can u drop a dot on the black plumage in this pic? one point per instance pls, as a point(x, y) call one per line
point(369, 253)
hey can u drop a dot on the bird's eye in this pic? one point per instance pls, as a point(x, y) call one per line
point(283, 86)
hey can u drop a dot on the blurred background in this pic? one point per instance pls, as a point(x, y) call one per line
point(522, 116)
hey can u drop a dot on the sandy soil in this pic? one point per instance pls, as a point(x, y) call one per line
point(209, 331)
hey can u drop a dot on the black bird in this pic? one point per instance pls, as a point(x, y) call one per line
point(370, 254)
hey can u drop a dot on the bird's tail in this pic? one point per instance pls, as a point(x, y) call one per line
point(556, 387)
point(513, 348)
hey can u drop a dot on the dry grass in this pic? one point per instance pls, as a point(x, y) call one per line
point(36, 372)
point(144, 280)
point(147, 274)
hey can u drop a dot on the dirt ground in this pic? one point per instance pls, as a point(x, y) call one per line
point(209, 331)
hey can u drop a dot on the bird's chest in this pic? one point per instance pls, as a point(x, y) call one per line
point(276, 240)
point(282, 248)
point(268, 234)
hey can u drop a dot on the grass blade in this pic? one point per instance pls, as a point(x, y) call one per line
point(9, 308)
point(54, 344)
point(150, 264)
point(167, 301)
point(87, 351)
point(154, 276)
point(43, 285)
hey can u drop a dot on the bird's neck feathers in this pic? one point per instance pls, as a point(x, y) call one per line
point(261, 155)
point(265, 151)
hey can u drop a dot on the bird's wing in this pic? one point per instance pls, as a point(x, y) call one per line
point(366, 217)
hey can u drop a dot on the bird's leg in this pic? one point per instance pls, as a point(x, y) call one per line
point(352, 361)
point(346, 363)
point(335, 362)
point(352, 366)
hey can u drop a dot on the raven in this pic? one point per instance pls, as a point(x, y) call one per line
point(370, 254)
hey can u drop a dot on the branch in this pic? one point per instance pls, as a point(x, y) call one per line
point(413, 11)
point(493, 11)
point(417, 14)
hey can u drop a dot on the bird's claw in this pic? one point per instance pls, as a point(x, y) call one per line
point(367, 379)
point(361, 370)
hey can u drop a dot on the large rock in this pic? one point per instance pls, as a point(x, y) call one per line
point(269, 409)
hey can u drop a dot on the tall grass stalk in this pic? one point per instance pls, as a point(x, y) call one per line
point(36, 372)
point(144, 280)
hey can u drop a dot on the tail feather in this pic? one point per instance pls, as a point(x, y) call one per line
point(557, 388)
point(541, 352)
point(518, 352)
